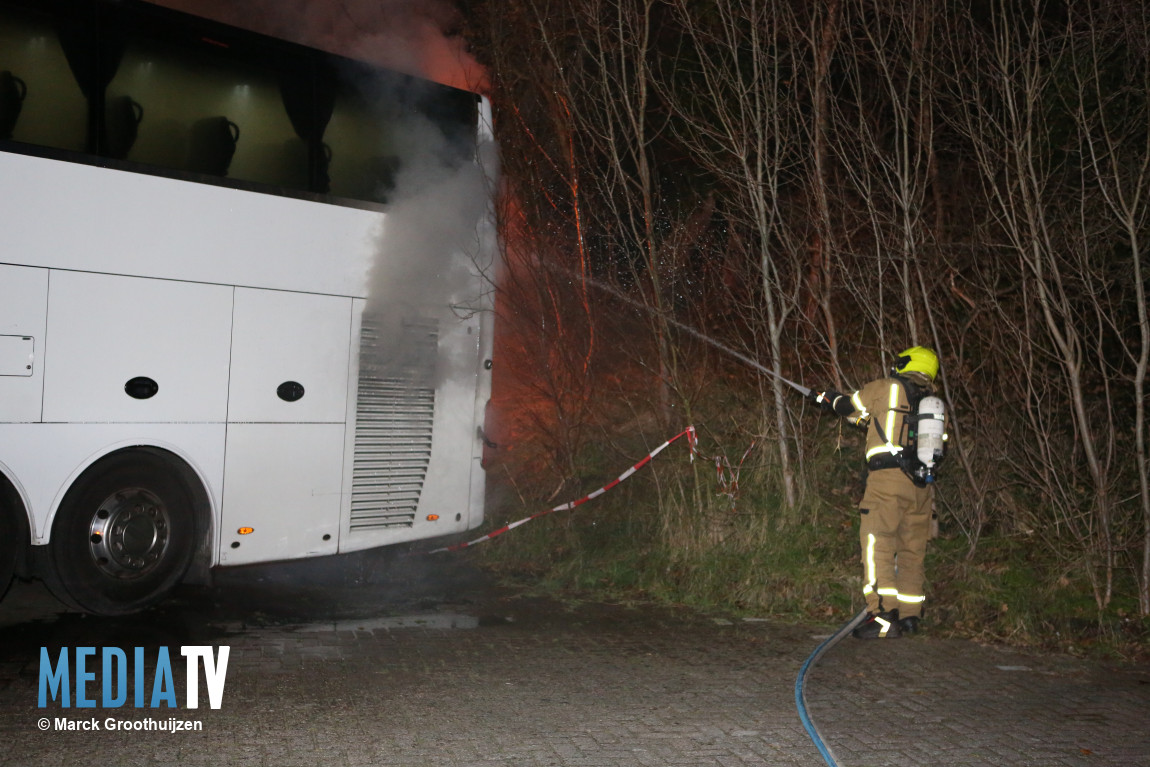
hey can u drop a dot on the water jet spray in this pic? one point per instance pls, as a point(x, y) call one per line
point(694, 332)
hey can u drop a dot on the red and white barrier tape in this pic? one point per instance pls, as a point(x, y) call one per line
point(691, 442)
point(728, 477)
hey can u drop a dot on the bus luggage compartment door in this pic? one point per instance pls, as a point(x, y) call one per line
point(283, 470)
point(23, 310)
point(136, 350)
point(282, 491)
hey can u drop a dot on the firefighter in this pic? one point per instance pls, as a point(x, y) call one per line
point(895, 511)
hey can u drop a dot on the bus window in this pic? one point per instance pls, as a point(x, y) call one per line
point(382, 120)
point(197, 108)
point(361, 140)
point(455, 115)
point(40, 101)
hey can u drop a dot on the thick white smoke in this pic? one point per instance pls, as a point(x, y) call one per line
point(431, 215)
point(433, 240)
point(434, 257)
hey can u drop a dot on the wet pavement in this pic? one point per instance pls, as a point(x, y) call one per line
point(384, 660)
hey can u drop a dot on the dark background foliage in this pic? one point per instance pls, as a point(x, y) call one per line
point(815, 186)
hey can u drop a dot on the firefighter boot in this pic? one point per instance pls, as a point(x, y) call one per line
point(882, 625)
point(909, 624)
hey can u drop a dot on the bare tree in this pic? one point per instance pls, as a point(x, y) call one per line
point(1010, 112)
point(544, 301)
point(1110, 46)
point(733, 95)
point(864, 172)
point(582, 133)
point(823, 32)
point(883, 141)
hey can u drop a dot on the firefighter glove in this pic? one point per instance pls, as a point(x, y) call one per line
point(825, 398)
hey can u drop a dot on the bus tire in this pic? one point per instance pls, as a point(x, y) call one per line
point(13, 535)
point(124, 534)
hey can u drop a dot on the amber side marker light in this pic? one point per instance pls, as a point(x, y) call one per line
point(246, 530)
point(432, 517)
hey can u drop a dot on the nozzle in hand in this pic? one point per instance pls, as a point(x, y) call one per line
point(825, 399)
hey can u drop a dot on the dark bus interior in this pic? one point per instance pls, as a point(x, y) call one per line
point(137, 87)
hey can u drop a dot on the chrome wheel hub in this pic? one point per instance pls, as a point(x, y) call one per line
point(129, 533)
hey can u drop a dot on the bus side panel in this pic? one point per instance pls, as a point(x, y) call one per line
point(289, 338)
point(441, 485)
point(284, 465)
point(486, 351)
point(46, 458)
point(109, 336)
point(23, 308)
point(482, 398)
point(447, 489)
point(282, 491)
point(178, 230)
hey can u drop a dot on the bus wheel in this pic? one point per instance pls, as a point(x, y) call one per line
point(11, 542)
point(124, 535)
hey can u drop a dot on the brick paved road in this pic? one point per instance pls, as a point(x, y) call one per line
point(462, 675)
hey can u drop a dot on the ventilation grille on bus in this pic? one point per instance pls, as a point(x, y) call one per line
point(394, 415)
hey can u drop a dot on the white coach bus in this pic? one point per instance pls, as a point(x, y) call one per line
point(227, 333)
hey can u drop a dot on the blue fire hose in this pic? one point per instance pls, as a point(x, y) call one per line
point(800, 692)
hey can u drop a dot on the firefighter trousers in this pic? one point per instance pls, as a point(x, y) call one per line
point(894, 526)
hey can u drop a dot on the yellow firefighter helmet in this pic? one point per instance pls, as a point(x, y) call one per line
point(917, 359)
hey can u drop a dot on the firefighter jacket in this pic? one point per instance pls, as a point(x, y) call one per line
point(881, 407)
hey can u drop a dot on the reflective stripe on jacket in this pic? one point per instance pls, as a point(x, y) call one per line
point(882, 403)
